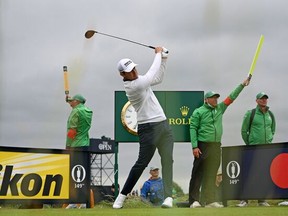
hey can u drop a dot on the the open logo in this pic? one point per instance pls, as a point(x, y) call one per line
point(78, 173)
point(233, 169)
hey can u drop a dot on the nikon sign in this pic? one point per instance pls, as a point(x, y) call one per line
point(29, 175)
point(34, 175)
point(177, 105)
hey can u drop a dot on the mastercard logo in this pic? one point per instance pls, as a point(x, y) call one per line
point(279, 170)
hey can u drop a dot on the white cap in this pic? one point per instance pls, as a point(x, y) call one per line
point(154, 168)
point(126, 65)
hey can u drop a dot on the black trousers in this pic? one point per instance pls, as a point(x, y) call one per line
point(151, 136)
point(204, 173)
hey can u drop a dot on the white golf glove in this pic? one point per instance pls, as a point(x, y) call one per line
point(164, 52)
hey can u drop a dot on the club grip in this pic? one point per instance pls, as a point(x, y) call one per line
point(152, 47)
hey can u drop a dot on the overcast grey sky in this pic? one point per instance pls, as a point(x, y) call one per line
point(211, 44)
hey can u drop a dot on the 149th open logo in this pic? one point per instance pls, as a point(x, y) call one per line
point(233, 171)
point(78, 174)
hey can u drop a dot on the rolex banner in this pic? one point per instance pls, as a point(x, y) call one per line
point(42, 175)
point(177, 105)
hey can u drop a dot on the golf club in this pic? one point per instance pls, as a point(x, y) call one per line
point(90, 34)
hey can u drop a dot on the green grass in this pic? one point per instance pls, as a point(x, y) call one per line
point(134, 207)
point(255, 211)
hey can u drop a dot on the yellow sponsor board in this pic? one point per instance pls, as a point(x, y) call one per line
point(34, 175)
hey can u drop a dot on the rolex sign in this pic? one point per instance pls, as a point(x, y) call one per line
point(177, 105)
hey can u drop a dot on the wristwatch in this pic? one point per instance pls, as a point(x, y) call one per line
point(129, 118)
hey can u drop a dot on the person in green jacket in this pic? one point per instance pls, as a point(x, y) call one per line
point(78, 126)
point(79, 123)
point(258, 129)
point(262, 128)
point(206, 132)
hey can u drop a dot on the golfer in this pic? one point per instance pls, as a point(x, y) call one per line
point(153, 128)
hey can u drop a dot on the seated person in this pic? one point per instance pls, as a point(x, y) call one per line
point(152, 190)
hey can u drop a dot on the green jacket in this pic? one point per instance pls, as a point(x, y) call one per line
point(80, 119)
point(206, 121)
point(262, 128)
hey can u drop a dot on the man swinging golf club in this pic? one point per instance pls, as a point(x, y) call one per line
point(153, 128)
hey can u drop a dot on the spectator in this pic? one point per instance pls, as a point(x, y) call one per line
point(258, 127)
point(152, 190)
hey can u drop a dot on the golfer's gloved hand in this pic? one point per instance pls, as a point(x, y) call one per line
point(164, 52)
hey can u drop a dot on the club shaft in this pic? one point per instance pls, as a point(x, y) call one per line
point(125, 40)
